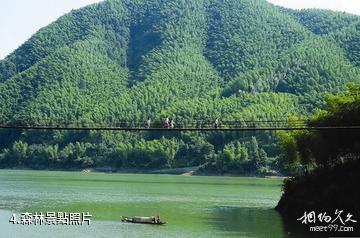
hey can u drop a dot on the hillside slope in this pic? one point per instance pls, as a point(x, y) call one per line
point(123, 60)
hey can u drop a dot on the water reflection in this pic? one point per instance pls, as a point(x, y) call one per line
point(247, 222)
point(296, 229)
point(259, 222)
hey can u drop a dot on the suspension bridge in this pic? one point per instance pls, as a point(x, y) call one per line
point(196, 125)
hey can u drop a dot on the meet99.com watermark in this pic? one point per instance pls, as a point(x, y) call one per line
point(51, 218)
point(339, 221)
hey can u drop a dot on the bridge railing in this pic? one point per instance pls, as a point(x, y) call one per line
point(158, 124)
point(275, 124)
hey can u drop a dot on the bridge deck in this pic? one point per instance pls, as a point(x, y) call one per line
point(178, 128)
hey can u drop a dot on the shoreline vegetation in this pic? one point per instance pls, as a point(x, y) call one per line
point(324, 190)
point(331, 159)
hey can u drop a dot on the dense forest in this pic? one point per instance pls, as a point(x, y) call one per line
point(126, 60)
point(327, 148)
point(329, 158)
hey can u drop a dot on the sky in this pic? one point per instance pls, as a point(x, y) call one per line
point(20, 19)
point(350, 6)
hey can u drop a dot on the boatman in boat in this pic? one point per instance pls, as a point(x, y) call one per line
point(156, 219)
point(145, 220)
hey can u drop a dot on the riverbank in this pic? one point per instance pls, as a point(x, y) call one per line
point(323, 191)
point(187, 171)
point(326, 193)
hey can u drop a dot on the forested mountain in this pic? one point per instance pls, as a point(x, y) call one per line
point(126, 60)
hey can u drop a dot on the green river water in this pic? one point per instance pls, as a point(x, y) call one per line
point(192, 206)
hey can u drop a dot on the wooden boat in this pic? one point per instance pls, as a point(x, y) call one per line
point(143, 220)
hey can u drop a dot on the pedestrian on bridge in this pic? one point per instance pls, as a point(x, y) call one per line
point(148, 123)
point(216, 123)
point(167, 123)
point(172, 124)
